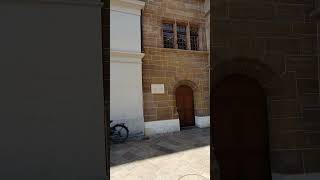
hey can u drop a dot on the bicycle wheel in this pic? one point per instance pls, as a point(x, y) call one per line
point(120, 134)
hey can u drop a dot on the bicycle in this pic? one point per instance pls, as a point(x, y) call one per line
point(119, 133)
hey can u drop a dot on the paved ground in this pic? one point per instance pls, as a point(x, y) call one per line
point(183, 155)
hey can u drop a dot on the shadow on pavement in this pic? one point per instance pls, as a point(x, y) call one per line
point(136, 150)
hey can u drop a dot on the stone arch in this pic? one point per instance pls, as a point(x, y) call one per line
point(250, 67)
point(273, 83)
point(187, 83)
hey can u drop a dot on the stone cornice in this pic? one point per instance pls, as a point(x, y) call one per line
point(126, 57)
point(127, 6)
point(56, 2)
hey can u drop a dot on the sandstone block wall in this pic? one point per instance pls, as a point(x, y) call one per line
point(172, 67)
point(276, 43)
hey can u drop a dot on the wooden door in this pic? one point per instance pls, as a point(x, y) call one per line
point(185, 108)
point(240, 133)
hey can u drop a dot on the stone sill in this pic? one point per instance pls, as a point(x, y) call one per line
point(177, 50)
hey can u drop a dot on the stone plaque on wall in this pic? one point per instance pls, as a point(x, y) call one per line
point(157, 88)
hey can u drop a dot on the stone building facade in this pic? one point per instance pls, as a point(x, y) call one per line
point(275, 42)
point(174, 66)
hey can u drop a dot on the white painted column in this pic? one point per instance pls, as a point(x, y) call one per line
point(126, 96)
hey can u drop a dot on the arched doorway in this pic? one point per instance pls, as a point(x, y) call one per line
point(185, 107)
point(240, 134)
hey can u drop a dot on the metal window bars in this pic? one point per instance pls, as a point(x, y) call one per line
point(168, 36)
point(194, 38)
point(181, 37)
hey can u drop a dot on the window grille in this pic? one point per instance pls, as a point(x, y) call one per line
point(181, 35)
point(168, 35)
point(194, 38)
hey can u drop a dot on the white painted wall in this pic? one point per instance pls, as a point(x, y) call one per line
point(125, 29)
point(172, 125)
point(126, 98)
point(202, 122)
point(163, 126)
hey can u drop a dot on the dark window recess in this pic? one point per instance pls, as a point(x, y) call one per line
point(182, 35)
point(168, 35)
point(194, 38)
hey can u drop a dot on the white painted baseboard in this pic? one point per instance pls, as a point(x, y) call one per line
point(202, 122)
point(313, 176)
point(160, 127)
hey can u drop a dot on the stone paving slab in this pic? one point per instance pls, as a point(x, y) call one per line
point(182, 155)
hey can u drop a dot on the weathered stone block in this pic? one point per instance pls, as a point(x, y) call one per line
point(285, 124)
point(309, 2)
point(287, 140)
point(241, 29)
point(308, 86)
point(305, 28)
point(243, 11)
point(292, 13)
point(164, 113)
point(308, 46)
point(277, 62)
point(284, 108)
point(287, 162)
point(150, 111)
point(312, 139)
point(284, 87)
point(308, 100)
point(271, 29)
point(220, 7)
point(290, 46)
point(311, 119)
point(304, 66)
point(311, 161)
